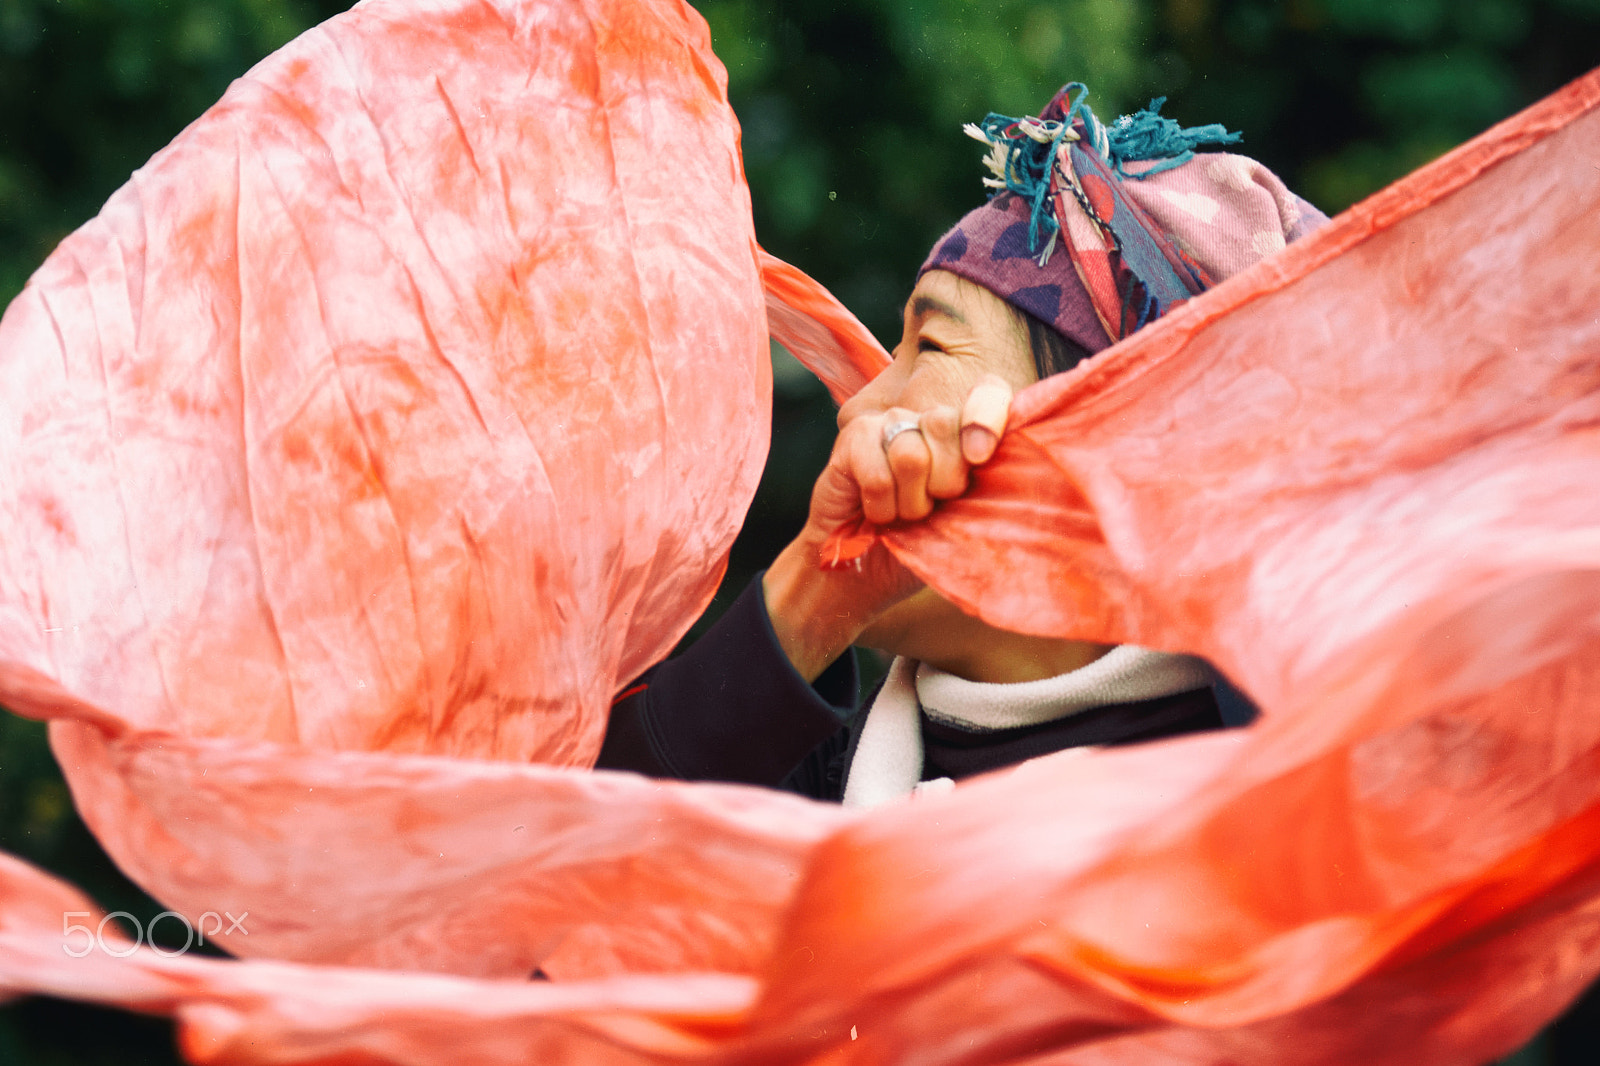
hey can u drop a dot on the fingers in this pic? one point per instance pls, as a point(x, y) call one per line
point(896, 464)
point(983, 418)
point(947, 469)
point(866, 461)
point(910, 461)
point(923, 465)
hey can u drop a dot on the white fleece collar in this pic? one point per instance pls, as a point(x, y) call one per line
point(888, 758)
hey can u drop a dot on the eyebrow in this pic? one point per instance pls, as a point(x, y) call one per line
point(920, 307)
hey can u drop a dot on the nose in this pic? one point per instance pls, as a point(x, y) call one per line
point(876, 395)
point(863, 402)
point(851, 409)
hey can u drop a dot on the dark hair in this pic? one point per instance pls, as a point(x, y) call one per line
point(1053, 352)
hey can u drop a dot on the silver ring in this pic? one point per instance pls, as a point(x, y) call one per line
point(891, 430)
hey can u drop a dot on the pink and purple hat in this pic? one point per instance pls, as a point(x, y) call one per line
point(1144, 222)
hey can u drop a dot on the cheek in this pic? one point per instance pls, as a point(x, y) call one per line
point(941, 381)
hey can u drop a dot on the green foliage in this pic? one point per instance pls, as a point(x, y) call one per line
point(94, 87)
point(1342, 97)
point(852, 108)
point(852, 115)
point(1412, 21)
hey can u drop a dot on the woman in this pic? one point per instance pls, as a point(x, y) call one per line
point(1097, 232)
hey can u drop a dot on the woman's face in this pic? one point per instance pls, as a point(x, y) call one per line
point(954, 333)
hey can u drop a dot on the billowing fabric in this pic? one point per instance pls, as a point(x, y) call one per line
point(408, 402)
point(372, 395)
point(813, 325)
point(1357, 477)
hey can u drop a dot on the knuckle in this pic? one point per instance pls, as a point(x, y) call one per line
point(875, 481)
point(940, 420)
point(908, 460)
point(948, 486)
point(915, 505)
point(878, 510)
point(860, 429)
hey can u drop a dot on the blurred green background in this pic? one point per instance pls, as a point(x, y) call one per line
point(851, 111)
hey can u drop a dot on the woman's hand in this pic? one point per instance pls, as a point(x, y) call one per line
point(887, 465)
point(894, 465)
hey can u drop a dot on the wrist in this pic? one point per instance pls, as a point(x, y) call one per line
point(813, 612)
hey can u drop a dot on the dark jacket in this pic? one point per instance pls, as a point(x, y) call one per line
point(732, 708)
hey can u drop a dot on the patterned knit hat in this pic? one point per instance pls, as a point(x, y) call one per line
point(1144, 224)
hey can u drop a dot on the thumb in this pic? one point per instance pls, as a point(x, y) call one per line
point(983, 418)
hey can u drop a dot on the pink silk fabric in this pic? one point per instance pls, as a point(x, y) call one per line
point(404, 408)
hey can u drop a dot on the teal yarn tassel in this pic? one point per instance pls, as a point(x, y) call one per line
point(1146, 135)
point(1022, 156)
point(1023, 150)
